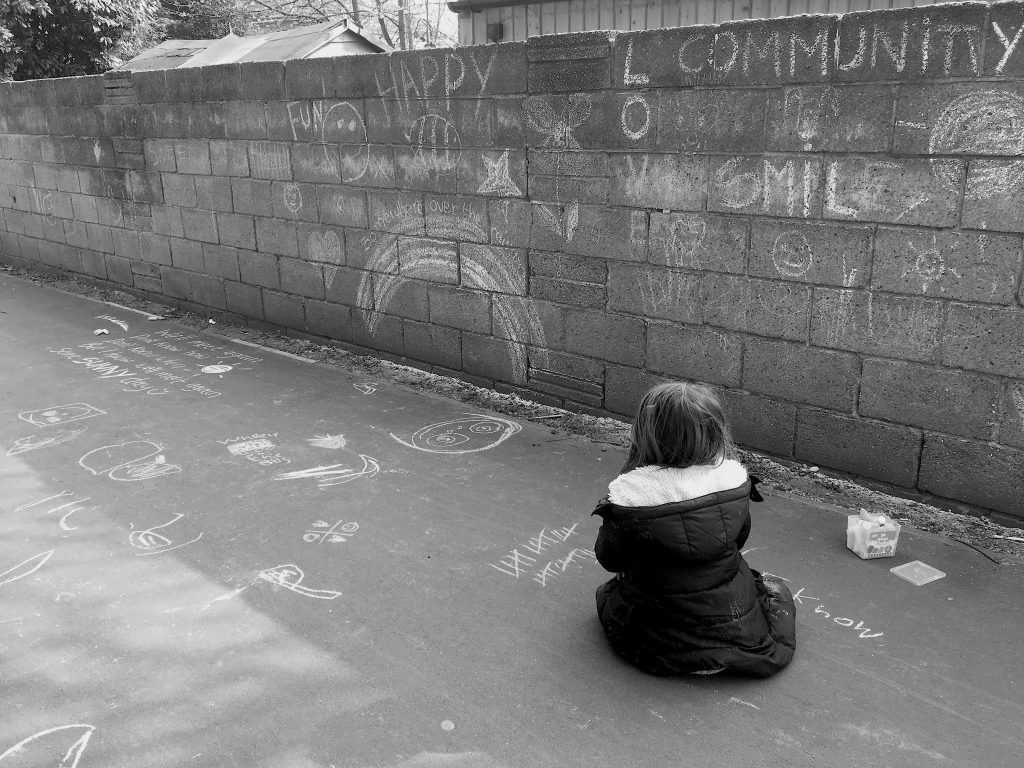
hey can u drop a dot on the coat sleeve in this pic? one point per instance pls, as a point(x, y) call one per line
point(611, 547)
point(741, 537)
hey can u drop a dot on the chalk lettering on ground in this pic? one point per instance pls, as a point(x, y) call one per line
point(475, 432)
point(800, 598)
point(52, 506)
point(291, 577)
point(25, 568)
point(129, 461)
point(152, 543)
point(321, 531)
point(38, 749)
point(335, 474)
point(526, 559)
point(259, 449)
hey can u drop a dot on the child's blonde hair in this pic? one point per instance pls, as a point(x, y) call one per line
point(679, 425)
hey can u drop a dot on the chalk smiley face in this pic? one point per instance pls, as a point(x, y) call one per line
point(474, 432)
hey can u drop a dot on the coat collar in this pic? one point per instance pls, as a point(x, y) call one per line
point(655, 485)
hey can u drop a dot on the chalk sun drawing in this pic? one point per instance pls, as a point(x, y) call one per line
point(60, 414)
point(291, 577)
point(333, 534)
point(475, 432)
point(929, 264)
point(982, 123)
point(25, 567)
point(132, 460)
point(484, 268)
point(35, 442)
point(36, 753)
point(498, 181)
point(332, 442)
point(154, 543)
point(335, 474)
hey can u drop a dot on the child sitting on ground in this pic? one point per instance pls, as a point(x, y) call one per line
point(684, 600)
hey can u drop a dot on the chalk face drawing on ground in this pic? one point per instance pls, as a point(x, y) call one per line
point(60, 414)
point(41, 749)
point(155, 543)
point(132, 460)
point(474, 432)
point(331, 442)
point(258, 449)
point(35, 442)
point(335, 474)
point(291, 577)
point(337, 533)
point(525, 559)
point(25, 567)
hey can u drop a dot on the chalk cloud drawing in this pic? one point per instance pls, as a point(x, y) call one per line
point(982, 123)
point(25, 568)
point(366, 389)
point(475, 432)
point(499, 181)
point(60, 414)
point(129, 461)
point(291, 577)
point(40, 750)
point(46, 440)
point(154, 543)
point(792, 254)
point(337, 533)
point(292, 197)
point(332, 442)
point(335, 474)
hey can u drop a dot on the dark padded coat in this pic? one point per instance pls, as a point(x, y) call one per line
point(684, 600)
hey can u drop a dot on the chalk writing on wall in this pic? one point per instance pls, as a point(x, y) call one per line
point(291, 577)
point(37, 749)
point(475, 432)
point(129, 461)
point(60, 414)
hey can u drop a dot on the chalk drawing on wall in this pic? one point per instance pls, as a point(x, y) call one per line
point(472, 433)
point(132, 460)
point(436, 144)
point(929, 264)
point(343, 125)
point(562, 223)
point(498, 181)
point(686, 235)
point(291, 577)
point(557, 129)
point(63, 522)
point(366, 389)
point(25, 567)
point(981, 123)
point(1018, 401)
point(292, 196)
point(331, 442)
point(325, 247)
point(152, 543)
point(335, 474)
point(37, 749)
point(322, 531)
point(792, 254)
point(45, 440)
point(60, 414)
point(635, 117)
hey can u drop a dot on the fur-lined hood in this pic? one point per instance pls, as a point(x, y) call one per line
point(651, 486)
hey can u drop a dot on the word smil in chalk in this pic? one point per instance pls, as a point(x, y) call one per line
point(334, 534)
point(524, 559)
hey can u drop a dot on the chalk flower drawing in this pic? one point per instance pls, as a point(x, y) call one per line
point(498, 181)
point(929, 264)
point(291, 577)
point(43, 754)
point(475, 432)
point(25, 568)
point(334, 534)
point(154, 543)
point(335, 474)
point(35, 442)
point(333, 442)
point(132, 460)
point(59, 414)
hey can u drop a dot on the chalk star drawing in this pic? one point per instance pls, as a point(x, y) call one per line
point(475, 432)
point(35, 442)
point(25, 568)
point(132, 460)
point(38, 757)
point(335, 474)
point(155, 543)
point(366, 389)
point(290, 577)
point(335, 534)
point(59, 414)
point(498, 182)
point(333, 442)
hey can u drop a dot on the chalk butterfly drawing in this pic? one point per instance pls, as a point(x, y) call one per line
point(59, 414)
point(557, 129)
point(335, 474)
point(154, 543)
point(35, 442)
point(25, 568)
point(133, 460)
point(290, 577)
point(474, 432)
point(45, 747)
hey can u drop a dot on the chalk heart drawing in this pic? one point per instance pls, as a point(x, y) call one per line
point(557, 129)
point(25, 568)
point(325, 246)
point(41, 750)
point(982, 123)
point(46, 440)
point(133, 460)
point(792, 255)
point(499, 181)
point(335, 474)
point(291, 577)
point(60, 414)
point(154, 543)
point(475, 432)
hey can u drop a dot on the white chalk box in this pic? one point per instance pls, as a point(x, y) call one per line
point(871, 535)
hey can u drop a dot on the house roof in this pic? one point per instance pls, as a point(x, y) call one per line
point(331, 38)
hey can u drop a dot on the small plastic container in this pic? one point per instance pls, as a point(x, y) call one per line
point(871, 535)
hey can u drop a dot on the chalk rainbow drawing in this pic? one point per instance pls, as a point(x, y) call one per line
point(482, 268)
point(25, 567)
point(128, 461)
point(71, 756)
point(60, 414)
point(155, 543)
point(291, 577)
point(474, 432)
point(35, 442)
point(335, 474)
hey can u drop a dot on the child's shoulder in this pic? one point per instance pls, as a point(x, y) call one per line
point(653, 485)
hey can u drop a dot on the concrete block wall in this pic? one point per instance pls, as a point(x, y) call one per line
point(819, 216)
